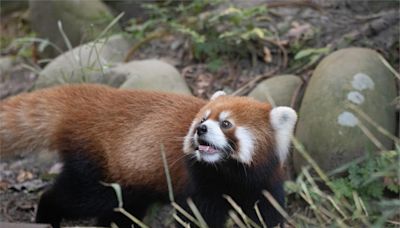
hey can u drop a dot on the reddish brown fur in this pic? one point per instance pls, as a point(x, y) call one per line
point(249, 113)
point(123, 129)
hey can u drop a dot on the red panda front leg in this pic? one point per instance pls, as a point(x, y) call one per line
point(48, 210)
point(212, 207)
point(270, 215)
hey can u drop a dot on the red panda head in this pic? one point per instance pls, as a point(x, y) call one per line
point(240, 128)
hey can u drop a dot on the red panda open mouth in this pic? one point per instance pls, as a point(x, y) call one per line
point(205, 147)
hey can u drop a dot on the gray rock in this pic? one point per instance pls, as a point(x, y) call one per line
point(15, 76)
point(130, 8)
point(86, 63)
point(6, 63)
point(278, 90)
point(10, 6)
point(82, 21)
point(327, 127)
point(151, 75)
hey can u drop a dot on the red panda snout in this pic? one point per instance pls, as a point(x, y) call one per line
point(214, 136)
point(211, 142)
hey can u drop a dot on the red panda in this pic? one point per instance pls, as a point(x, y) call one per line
point(228, 145)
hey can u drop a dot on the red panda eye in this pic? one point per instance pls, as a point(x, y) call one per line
point(202, 120)
point(226, 124)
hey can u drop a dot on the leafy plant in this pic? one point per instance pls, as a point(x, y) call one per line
point(357, 199)
point(213, 30)
point(371, 177)
point(311, 54)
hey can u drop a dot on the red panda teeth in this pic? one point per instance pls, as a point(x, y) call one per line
point(207, 149)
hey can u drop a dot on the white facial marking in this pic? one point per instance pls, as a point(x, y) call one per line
point(283, 120)
point(246, 145)
point(187, 142)
point(211, 158)
point(217, 94)
point(198, 156)
point(224, 115)
point(347, 119)
point(207, 114)
point(214, 134)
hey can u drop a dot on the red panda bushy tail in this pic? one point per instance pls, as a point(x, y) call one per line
point(28, 121)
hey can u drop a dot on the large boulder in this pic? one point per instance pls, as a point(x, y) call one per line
point(86, 63)
point(327, 127)
point(130, 8)
point(6, 63)
point(81, 20)
point(278, 90)
point(8, 7)
point(151, 75)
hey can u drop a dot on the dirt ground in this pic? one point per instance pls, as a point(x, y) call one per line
point(23, 178)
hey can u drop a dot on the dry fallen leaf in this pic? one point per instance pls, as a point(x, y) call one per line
point(267, 55)
point(4, 185)
point(26, 206)
point(24, 176)
point(299, 31)
point(203, 82)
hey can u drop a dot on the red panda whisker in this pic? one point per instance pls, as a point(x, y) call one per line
point(175, 161)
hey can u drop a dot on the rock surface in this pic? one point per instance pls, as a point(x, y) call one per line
point(278, 90)
point(130, 8)
point(14, 76)
point(5, 64)
point(327, 127)
point(151, 75)
point(8, 7)
point(81, 20)
point(86, 63)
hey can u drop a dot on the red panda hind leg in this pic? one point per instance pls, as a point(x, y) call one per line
point(78, 194)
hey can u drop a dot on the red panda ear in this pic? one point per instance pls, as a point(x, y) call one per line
point(283, 120)
point(217, 94)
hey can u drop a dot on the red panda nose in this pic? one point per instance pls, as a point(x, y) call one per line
point(201, 129)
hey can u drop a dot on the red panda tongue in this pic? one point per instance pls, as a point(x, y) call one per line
point(207, 149)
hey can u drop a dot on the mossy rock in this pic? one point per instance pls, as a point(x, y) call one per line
point(8, 7)
point(327, 127)
point(88, 63)
point(82, 21)
point(151, 74)
point(278, 90)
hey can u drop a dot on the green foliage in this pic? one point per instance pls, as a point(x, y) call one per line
point(360, 198)
point(367, 178)
point(311, 53)
point(212, 30)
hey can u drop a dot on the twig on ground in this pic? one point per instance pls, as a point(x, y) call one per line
point(282, 49)
point(278, 207)
point(295, 95)
point(387, 20)
point(295, 3)
point(246, 88)
point(308, 65)
point(148, 38)
point(5, 213)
